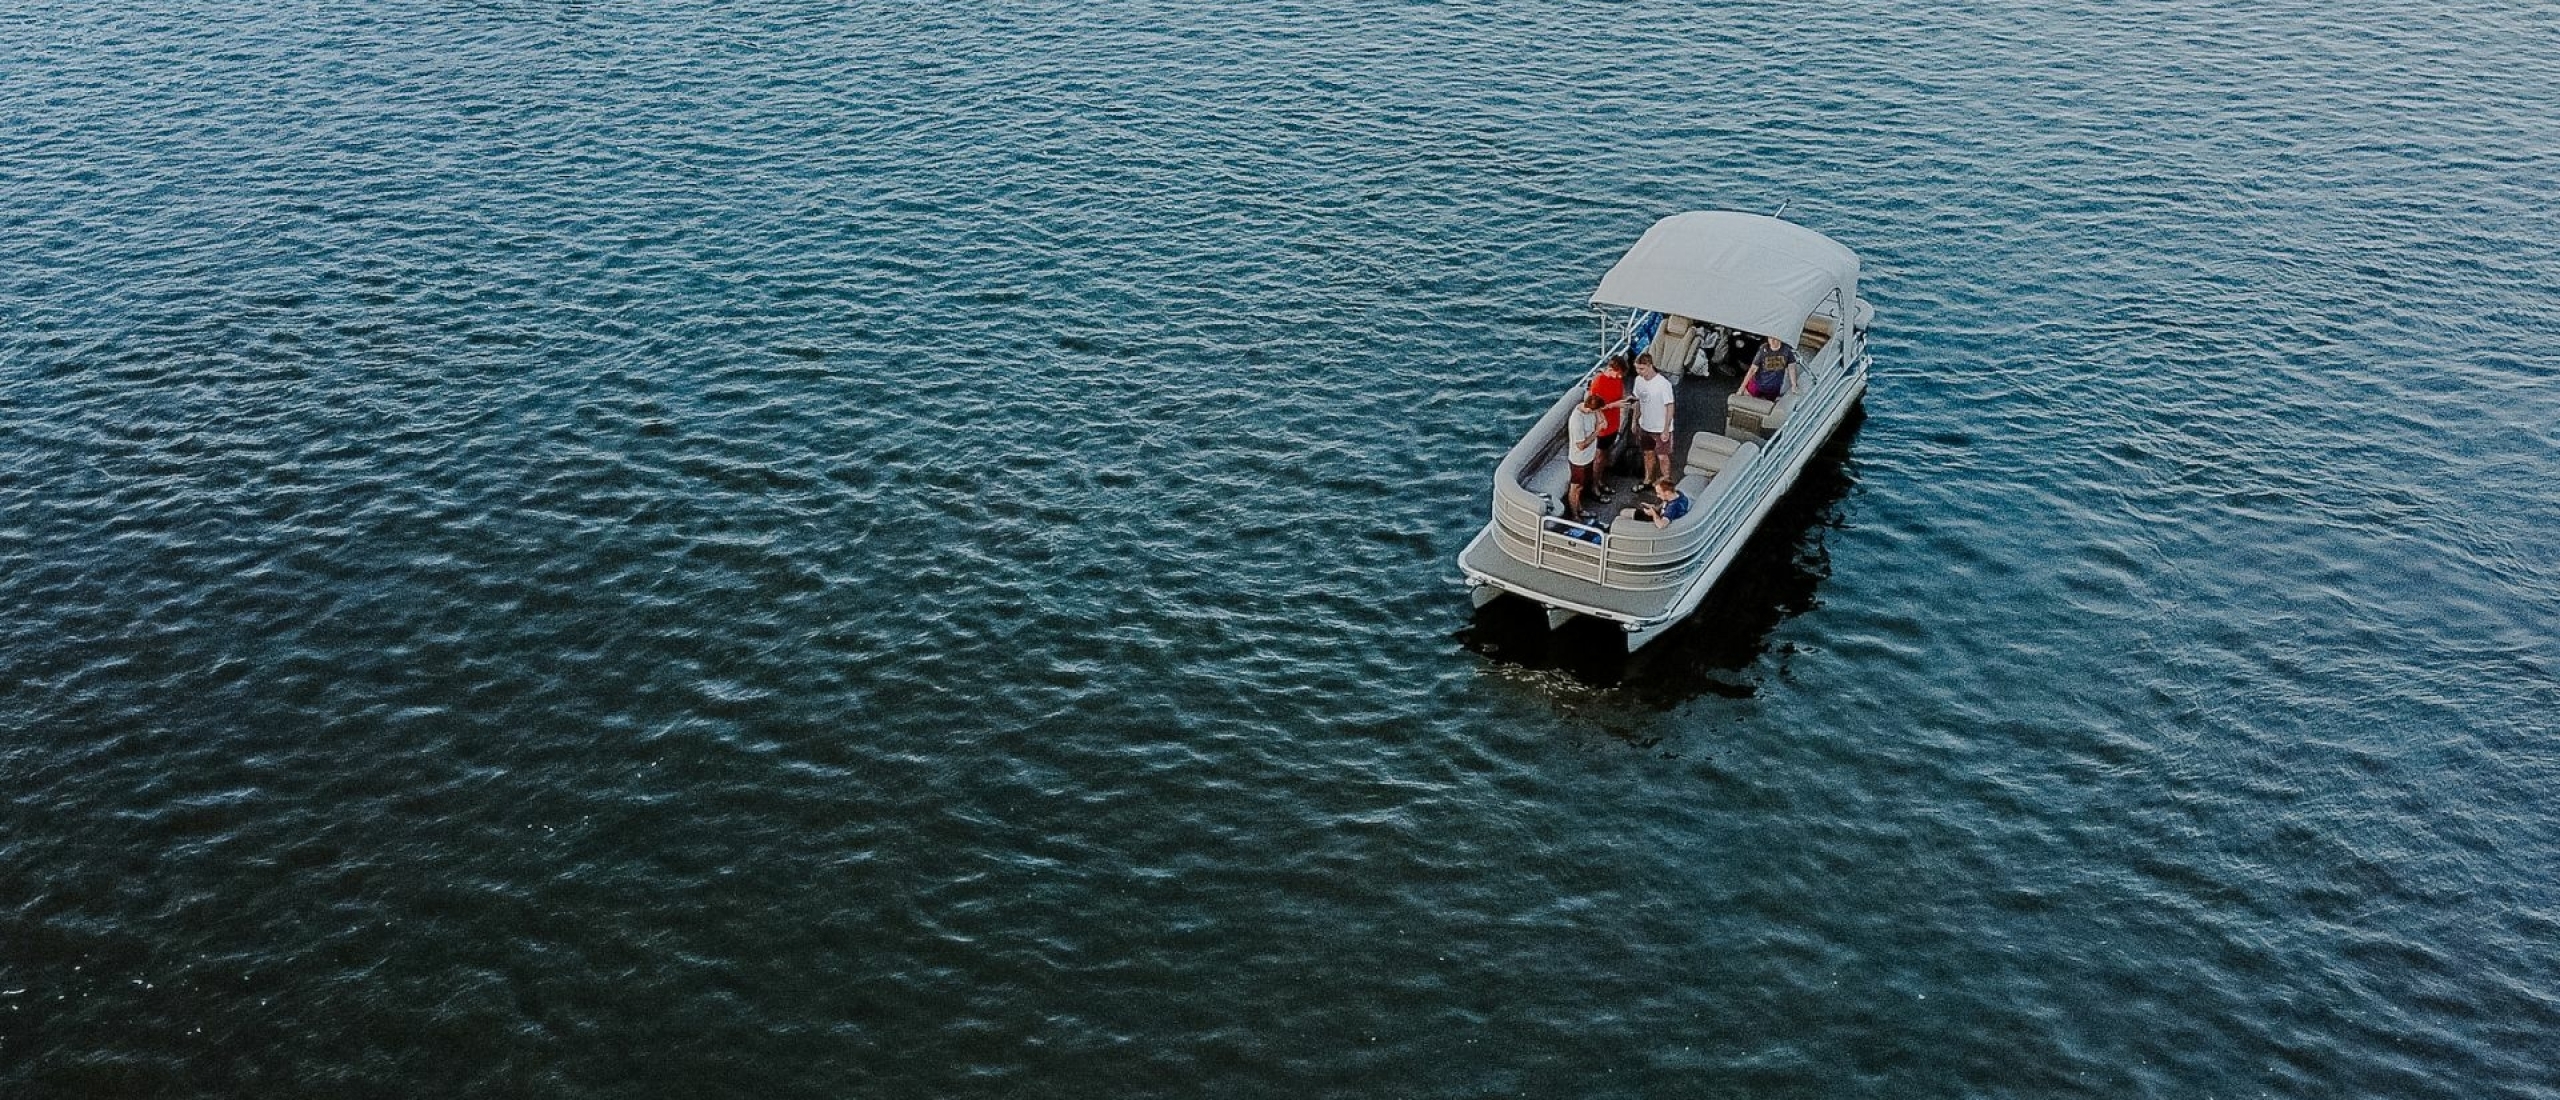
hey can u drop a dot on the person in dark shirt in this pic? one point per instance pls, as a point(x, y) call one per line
point(1773, 373)
point(1669, 503)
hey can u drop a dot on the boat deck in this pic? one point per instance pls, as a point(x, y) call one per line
point(1698, 405)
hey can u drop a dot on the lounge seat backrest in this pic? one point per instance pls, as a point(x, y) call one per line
point(1696, 481)
point(1748, 418)
point(1709, 453)
point(1817, 332)
point(1743, 415)
point(1550, 480)
point(1675, 344)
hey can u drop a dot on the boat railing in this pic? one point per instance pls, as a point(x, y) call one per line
point(1611, 560)
point(1528, 528)
point(1633, 557)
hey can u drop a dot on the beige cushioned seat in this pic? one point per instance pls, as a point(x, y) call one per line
point(1745, 416)
point(1708, 456)
point(1749, 418)
point(1675, 345)
point(1817, 332)
point(1707, 453)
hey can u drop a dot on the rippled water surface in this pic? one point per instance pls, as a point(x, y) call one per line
point(587, 550)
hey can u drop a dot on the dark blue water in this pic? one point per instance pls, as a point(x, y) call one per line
point(564, 550)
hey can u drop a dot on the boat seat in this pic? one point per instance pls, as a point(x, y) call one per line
point(1749, 418)
point(1708, 453)
point(1675, 345)
point(1817, 332)
point(1552, 482)
point(1709, 457)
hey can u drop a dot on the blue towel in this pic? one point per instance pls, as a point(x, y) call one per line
point(1640, 333)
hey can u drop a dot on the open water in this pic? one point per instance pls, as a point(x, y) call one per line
point(773, 549)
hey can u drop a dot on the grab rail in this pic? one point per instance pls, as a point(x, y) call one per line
point(1598, 542)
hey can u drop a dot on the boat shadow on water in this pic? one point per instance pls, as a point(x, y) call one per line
point(1776, 576)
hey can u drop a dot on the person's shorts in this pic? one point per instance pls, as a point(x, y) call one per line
point(1582, 473)
point(1657, 442)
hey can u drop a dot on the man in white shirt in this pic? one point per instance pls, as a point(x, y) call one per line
point(1655, 418)
point(1582, 437)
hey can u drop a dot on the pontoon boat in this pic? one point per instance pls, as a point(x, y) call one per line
point(1700, 292)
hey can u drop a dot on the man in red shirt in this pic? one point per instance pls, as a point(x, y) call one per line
point(1610, 385)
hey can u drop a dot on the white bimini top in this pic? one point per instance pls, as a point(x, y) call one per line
point(1746, 271)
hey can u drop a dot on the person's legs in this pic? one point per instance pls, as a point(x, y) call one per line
point(1573, 491)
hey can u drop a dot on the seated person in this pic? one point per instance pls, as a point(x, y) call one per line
point(1669, 503)
point(1772, 374)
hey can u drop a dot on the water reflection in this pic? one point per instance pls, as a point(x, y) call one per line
point(1776, 576)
